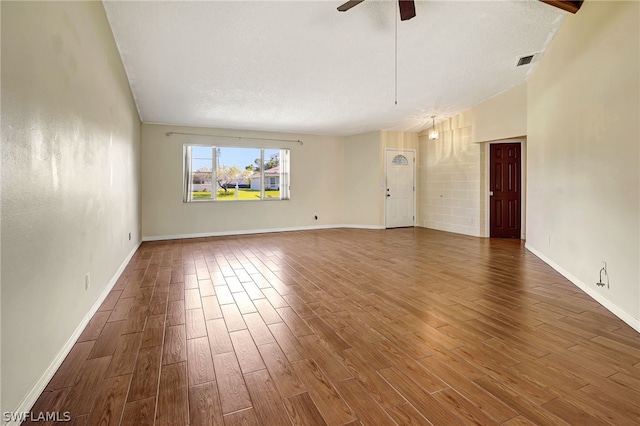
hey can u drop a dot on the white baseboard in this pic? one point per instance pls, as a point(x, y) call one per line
point(361, 226)
point(27, 402)
point(253, 231)
point(615, 310)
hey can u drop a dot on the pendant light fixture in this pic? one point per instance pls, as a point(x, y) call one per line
point(433, 134)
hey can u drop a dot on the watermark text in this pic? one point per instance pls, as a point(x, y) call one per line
point(42, 416)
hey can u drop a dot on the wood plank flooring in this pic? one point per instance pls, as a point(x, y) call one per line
point(347, 327)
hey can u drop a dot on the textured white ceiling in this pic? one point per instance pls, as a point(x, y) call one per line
point(302, 66)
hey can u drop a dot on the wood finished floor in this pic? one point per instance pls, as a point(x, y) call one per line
point(347, 327)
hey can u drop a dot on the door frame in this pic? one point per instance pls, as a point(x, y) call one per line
point(384, 189)
point(523, 182)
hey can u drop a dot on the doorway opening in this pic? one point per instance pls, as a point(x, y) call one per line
point(505, 190)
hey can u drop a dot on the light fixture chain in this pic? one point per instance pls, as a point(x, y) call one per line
point(395, 19)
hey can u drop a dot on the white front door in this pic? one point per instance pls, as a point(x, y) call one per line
point(400, 190)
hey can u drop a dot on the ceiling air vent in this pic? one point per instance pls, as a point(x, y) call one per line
point(525, 60)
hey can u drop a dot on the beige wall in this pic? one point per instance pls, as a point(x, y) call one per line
point(501, 117)
point(363, 185)
point(338, 179)
point(453, 170)
point(317, 186)
point(450, 179)
point(583, 153)
point(398, 140)
point(70, 178)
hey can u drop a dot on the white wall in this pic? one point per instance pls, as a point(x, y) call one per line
point(70, 178)
point(583, 153)
point(317, 186)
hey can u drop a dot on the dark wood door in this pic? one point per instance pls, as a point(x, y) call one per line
point(505, 187)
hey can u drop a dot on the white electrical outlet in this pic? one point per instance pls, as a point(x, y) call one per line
point(87, 281)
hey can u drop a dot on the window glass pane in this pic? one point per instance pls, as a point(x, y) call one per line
point(235, 168)
point(272, 174)
point(285, 174)
point(201, 172)
point(231, 173)
point(400, 160)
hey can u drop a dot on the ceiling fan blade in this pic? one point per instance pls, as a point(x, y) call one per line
point(348, 5)
point(407, 9)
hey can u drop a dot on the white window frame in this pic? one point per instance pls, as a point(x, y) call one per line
point(284, 164)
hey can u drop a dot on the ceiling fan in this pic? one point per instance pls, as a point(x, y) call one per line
point(407, 8)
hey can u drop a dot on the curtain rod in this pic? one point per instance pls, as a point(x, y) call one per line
point(234, 137)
